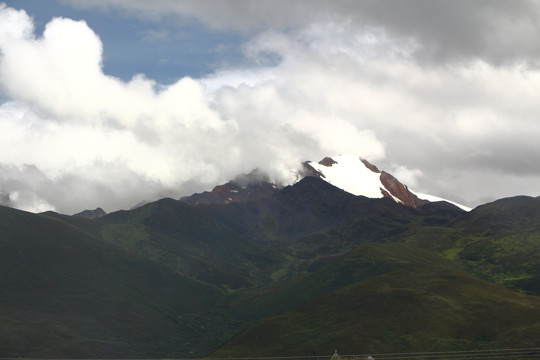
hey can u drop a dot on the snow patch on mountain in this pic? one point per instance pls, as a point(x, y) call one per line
point(351, 175)
point(433, 198)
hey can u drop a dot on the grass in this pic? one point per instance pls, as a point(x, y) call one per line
point(411, 305)
point(307, 271)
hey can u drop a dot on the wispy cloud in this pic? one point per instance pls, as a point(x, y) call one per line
point(156, 34)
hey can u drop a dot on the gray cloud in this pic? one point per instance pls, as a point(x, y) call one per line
point(498, 31)
point(27, 187)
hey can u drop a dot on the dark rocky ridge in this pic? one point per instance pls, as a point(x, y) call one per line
point(256, 186)
point(92, 214)
point(327, 161)
point(247, 187)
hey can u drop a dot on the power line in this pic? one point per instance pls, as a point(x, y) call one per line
point(523, 353)
point(463, 354)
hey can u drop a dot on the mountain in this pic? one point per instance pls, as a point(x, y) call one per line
point(68, 293)
point(92, 214)
point(451, 283)
point(348, 172)
point(253, 186)
point(303, 270)
point(393, 298)
point(359, 177)
point(502, 243)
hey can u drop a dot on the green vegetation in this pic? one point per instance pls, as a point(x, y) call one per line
point(303, 272)
point(397, 299)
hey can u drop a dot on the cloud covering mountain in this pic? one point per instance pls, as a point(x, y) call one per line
point(443, 95)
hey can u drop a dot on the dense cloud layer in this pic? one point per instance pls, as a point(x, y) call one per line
point(106, 143)
point(439, 30)
point(445, 96)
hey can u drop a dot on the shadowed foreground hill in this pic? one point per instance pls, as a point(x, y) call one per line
point(308, 269)
point(66, 293)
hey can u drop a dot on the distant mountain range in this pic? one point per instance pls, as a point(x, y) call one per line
point(293, 271)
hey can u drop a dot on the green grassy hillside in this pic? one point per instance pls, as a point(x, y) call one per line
point(66, 293)
point(304, 271)
point(502, 243)
point(499, 242)
point(393, 298)
point(200, 242)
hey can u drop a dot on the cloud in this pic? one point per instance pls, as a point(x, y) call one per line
point(111, 143)
point(497, 31)
point(156, 35)
point(438, 123)
point(351, 79)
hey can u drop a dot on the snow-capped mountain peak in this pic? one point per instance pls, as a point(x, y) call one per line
point(347, 172)
point(359, 177)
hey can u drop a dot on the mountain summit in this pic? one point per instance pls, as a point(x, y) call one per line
point(248, 187)
point(347, 172)
point(359, 177)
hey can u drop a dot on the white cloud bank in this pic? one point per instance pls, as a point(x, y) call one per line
point(74, 137)
point(97, 141)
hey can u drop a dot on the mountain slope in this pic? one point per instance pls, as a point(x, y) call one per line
point(241, 245)
point(66, 293)
point(206, 243)
point(502, 242)
point(393, 298)
point(308, 262)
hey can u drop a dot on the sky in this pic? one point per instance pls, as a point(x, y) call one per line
point(113, 103)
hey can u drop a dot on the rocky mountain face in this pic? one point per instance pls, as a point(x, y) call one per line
point(395, 189)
